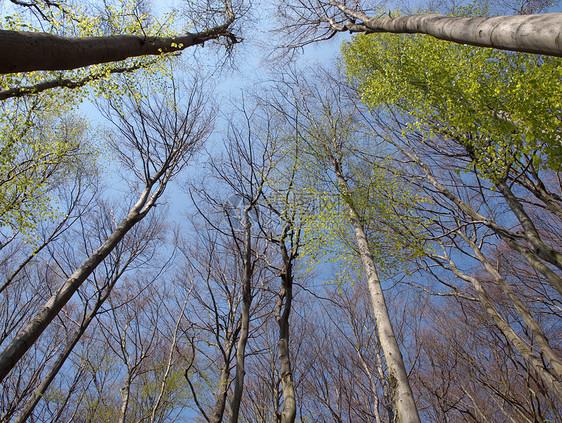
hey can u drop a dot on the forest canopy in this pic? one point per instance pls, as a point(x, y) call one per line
point(371, 239)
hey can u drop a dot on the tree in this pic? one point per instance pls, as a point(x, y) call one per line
point(215, 322)
point(228, 276)
point(481, 172)
point(502, 106)
point(495, 130)
point(469, 369)
point(329, 133)
point(135, 247)
point(68, 376)
point(45, 51)
point(313, 20)
point(155, 154)
point(41, 145)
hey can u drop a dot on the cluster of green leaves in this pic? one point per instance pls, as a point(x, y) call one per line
point(42, 139)
point(498, 105)
point(41, 145)
point(387, 209)
point(114, 18)
point(378, 194)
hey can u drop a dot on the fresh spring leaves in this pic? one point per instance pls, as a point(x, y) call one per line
point(503, 107)
point(41, 145)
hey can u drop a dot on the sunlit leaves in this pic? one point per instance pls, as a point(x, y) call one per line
point(500, 105)
point(41, 145)
point(113, 18)
point(376, 192)
point(42, 141)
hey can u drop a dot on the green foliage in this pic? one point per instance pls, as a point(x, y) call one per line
point(375, 191)
point(41, 145)
point(114, 18)
point(498, 105)
point(384, 205)
point(42, 141)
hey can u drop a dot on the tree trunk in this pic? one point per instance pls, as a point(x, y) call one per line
point(538, 34)
point(29, 334)
point(125, 395)
point(542, 250)
point(42, 51)
point(289, 412)
point(220, 402)
point(538, 334)
point(551, 383)
point(46, 382)
point(397, 375)
point(245, 320)
point(504, 234)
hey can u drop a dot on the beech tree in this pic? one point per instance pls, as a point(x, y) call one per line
point(60, 51)
point(489, 207)
point(137, 247)
point(308, 21)
point(154, 155)
point(427, 192)
point(331, 138)
point(229, 275)
point(469, 369)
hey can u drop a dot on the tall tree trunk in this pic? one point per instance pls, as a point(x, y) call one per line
point(538, 334)
point(23, 341)
point(538, 34)
point(125, 396)
point(505, 235)
point(244, 321)
point(532, 236)
point(397, 375)
point(217, 412)
point(220, 397)
point(282, 314)
point(42, 51)
point(46, 382)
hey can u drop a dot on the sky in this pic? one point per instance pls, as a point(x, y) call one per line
point(230, 83)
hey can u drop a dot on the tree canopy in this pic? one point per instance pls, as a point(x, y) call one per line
point(500, 105)
point(168, 247)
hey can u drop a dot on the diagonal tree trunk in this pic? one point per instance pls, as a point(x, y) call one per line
point(538, 334)
point(538, 34)
point(46, 382)
point(171, 143)
point(43, 51)
point(29, 334)
point(536, 363)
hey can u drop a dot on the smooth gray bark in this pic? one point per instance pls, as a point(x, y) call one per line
point(220, 402)
point(509, 238)
point(29, 334)
point(46, 382)
point(550, 381)
point(398, 377)
point(538, 34)
point(545, 252)
point(125, 395)
point(538, 334)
